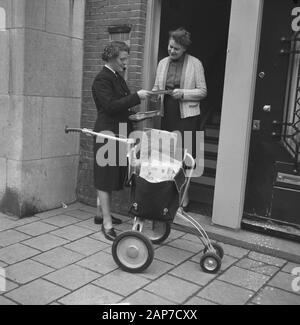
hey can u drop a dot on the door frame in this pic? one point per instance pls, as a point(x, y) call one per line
point(153, 19)
point(238, 99)
point(237, 111)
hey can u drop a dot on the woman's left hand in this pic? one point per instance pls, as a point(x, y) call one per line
point(177, 93)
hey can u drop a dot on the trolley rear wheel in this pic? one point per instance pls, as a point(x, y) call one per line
point(132, 251)
point(156, 231)
point(217, 247)
point(210, 262)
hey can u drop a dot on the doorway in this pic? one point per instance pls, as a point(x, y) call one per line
point(273, 182)
point(208, 22)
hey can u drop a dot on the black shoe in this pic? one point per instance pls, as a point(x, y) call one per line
point(109, 234)
point(99, 220)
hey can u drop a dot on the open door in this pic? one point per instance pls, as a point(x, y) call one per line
point(208, 21)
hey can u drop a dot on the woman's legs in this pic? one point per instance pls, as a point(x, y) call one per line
point(105, 202)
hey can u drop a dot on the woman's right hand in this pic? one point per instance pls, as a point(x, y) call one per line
point(143, 94)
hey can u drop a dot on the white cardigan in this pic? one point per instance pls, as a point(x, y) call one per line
point(192, 83)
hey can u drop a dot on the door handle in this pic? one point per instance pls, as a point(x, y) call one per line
point(267, 108)
point(256, 125)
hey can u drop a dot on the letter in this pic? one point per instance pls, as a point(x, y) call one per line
point(2, 280)
point(296, 20)
point(106, 155)
point(193, 314)
point(133, 315)
point(296, 281)
point(122, 146)
point(105, 315)
point(156, 315)
point(164, 313)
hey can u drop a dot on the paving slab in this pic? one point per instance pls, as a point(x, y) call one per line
point(101, 262)
point(60, 210)
point(172, 288)
point(25, 221)
point(244, 278)
point(285, 281)
point(38, 292)
point(58, 257)
point(273, 296)
point(6, 223)
point(88, 208)
point(72, 277)
point(199, 302)
point(16, 253)
point(2, 264)
point(225, 293)
point(289, 267)
point(61, 220)
point(99, 236)
point(267, 259)
point(45, 242)
point(258, 267)
point(191, 271)
point(6, 302)
point(121, 282)
point(172, 255)
point(143, 297)
point(26, 271)
point(36, 228)
point(88, 246)
point(186, 245)
point(227, 261)
point(89, 224)
point(10, 237)
point(174, 234)
point(9, 285)
point(234, 251)
point(72, 232)
point(90, 295)
point(156, 269)
point(79, 214)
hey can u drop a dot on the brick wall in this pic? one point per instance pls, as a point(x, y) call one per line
point(101, 15)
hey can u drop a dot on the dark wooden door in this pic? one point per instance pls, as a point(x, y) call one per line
point(266, 152)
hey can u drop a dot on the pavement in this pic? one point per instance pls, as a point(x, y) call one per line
point(60, 257)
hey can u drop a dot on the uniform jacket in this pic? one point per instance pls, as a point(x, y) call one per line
point(113, 101)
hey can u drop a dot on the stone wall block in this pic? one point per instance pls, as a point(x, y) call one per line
point(4, 109)
point(57, 113)
point(48, 59)
point(4, 61)
point(2, 176)
point(65, 17)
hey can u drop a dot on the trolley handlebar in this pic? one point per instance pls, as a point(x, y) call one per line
point(103, 135)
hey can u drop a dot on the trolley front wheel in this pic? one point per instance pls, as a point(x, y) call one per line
point(210, 262)
point(157, 231)
point(132, 251)
point(218, 248)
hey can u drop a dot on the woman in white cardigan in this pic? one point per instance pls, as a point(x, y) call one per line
point(184, 75)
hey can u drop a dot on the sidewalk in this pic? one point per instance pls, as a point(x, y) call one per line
point(61, 257)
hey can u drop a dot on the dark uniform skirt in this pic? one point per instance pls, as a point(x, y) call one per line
point(172, 121)
point(112, 176)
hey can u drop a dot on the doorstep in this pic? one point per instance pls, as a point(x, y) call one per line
point(261, 243)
